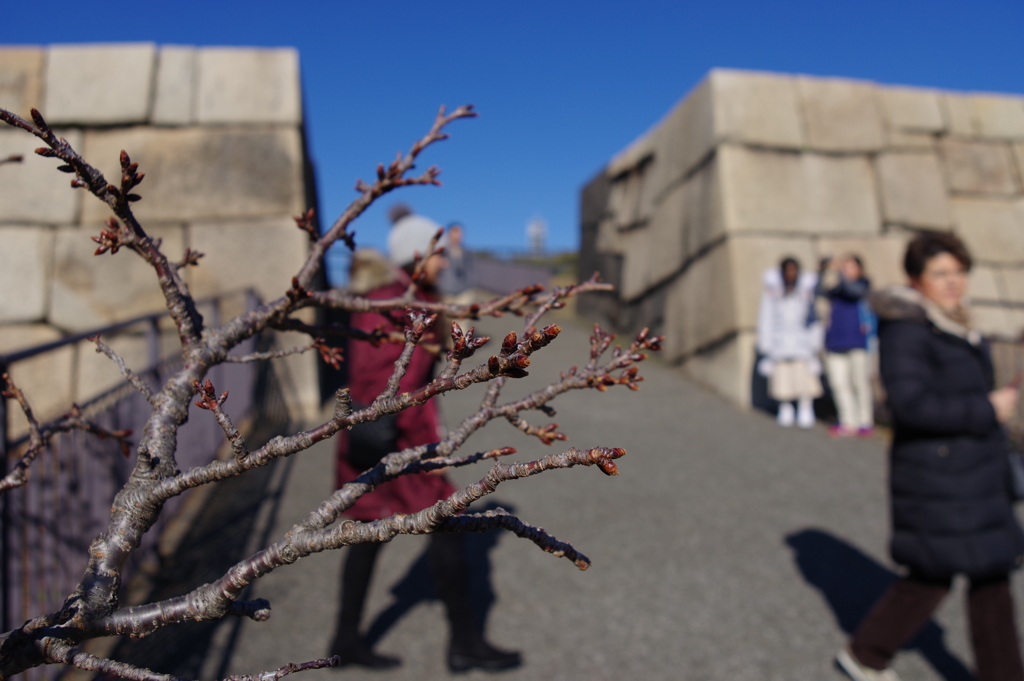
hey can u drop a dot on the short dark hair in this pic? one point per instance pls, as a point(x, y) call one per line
point(398, 211)
point(926, 245)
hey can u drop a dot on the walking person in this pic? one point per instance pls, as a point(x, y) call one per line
point(789, 340)
point(951, 507)
point(366, 444)
point(848, 319)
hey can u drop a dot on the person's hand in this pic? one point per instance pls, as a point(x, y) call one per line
point(1004, 401)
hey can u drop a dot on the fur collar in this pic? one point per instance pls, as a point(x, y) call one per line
point(907, 304)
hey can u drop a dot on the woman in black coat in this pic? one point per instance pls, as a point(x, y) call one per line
point(949, 476)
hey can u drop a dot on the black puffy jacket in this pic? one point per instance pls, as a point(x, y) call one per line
point(949, 475)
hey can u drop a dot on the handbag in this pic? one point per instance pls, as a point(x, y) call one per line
point(371, 441)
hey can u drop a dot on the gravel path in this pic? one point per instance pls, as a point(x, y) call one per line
point(727, 548)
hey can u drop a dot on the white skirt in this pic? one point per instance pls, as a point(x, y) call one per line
point(792, 380)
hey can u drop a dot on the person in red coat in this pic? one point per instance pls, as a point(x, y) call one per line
point(370, 368)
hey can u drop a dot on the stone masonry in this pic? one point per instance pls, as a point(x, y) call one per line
point(218, 132)
point(750, 167)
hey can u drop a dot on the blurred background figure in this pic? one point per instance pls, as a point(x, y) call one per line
point(951, 505)
point(849, 323)
point(455, 283)
point(365, 445)
point(789, 339)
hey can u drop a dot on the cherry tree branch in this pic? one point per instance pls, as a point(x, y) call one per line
point(134, 379)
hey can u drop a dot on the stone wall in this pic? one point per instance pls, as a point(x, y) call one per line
point(219, 134)
point(750, 167)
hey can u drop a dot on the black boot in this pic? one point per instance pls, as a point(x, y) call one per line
point(467, 649)
point(355, 583)
point(467, 654)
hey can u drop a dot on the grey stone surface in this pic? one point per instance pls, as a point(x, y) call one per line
point(204, 173)
point(700, 305)
point(757, 108)
point(232, 248)
point(1011, 284)
point(913, 190)
point(99, 84)
point(841, 114)
point(984, 284)
point(768, 191)
point(26, 262)
point(958, 113)
point(911, 108)
point(21, 79)
point(248, 86)
point(95, 290)
point(882, 255)
point(686, 219)
point(174, 96)
point(999, 116)
point(1018, 154)
point(46, 380)
point(726, 367)
point(904, 139)
point(979, 167)
point(34, 191)
point(727, 549)
point(993, 229)
point(684, 137)
point(998, 321)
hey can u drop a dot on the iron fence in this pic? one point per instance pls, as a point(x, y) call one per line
point(48, 524)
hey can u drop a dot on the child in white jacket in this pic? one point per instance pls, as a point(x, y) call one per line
point(790, 338)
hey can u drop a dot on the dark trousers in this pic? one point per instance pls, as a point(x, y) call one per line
point(908, 605)
point(448, 570)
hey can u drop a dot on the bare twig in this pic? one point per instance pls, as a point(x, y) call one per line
point(134, 379)
point(13, 158)
point(208, 399)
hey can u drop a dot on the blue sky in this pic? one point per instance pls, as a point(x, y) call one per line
point(560, 86)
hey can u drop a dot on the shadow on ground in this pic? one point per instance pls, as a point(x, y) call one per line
point(416, 586)
point(851, 581)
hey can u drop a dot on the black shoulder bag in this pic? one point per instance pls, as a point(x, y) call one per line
point(371, 441)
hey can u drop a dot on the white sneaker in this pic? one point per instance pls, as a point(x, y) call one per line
point(787, 415)
point(805, 414)
point(858, 672)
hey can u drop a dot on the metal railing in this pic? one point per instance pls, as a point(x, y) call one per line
point(48, 524)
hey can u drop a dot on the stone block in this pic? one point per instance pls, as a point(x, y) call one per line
point(957, 113)
point(97, 374)
point(34, 191)
point(984, 284)
point(262, 254)
point(913, 190)
point(299, 379)
point(979, 167)
point(882, 256)
point(21, 79)
point(174, 96)
point(95, 290)
point(683, 138)
point(699, 305)
point(203, 173)
point(908, 108)
point(686, 219)
point(841, 114)
point(1018, 154)
point(757, 108)
point(726, 368)
point(903, 139)
point(998, 116)
point(999, 322)
point(26, 262)
point(1011, 284)
point(248, 86)
point(993, 229)
point(99, 84)
point(767, 191)
point(45, 380)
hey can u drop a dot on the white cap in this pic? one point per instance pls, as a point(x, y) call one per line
point(410, 236)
